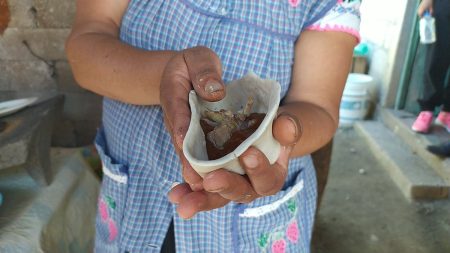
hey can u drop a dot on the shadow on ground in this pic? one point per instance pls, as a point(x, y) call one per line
point(363, 211)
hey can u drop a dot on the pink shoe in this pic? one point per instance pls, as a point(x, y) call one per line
point(423, 122)
point(443, 119)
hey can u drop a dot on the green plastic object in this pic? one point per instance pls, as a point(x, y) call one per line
point(361, 49)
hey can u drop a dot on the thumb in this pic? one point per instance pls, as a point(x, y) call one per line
point(287, 129)
point(205, 71)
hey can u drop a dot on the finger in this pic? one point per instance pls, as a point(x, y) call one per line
point(190, 175)
point(180, 123)
point(168, 125)
point(266, 179)
point(194, 202)
point(230, 186)
point(177, 117)
point(177, 192)
point(287, 129)
point(205, 72)
point(174, 96)
point(283, 158)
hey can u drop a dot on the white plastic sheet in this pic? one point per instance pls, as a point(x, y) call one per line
point(58, 218)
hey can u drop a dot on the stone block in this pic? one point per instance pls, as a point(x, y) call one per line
point(82, 106)
point(86, 130)
point(26, 76)
point(13, 154)
point(400, 123)
point(33, 44)
point(64, 133)
point(80, 120)
point(65, 80)
point(11, 46)
point(69, 133)
point(411, 174)
point(22, 14)
point(54, 13)
point(47, 43)
point(26, 140)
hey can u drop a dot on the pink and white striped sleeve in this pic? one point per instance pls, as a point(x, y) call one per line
point(343, 17)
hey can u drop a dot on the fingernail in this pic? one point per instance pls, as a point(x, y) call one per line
point(295, 124)
point(251, 161)
point(174, 184)
point(213, 86)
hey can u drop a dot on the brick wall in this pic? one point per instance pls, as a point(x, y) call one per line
point(32, 59)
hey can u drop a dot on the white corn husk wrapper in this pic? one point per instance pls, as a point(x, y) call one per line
point(266, 95)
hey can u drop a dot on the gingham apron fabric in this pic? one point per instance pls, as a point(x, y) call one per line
point(139, 161)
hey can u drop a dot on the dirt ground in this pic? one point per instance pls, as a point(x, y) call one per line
point(363, 211)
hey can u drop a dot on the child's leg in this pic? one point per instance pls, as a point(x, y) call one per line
point(438, 64)
point(441, 55)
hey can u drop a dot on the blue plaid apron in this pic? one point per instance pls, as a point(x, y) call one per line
point(139, 161)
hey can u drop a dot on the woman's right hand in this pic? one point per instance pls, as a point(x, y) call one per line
point(197, 68)
point(425, 5)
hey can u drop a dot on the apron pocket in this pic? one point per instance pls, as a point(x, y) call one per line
point(113, 194)
point(273, 223)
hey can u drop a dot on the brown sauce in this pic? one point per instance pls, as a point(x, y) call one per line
point(236, 139)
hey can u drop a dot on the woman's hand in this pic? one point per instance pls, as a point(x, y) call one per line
point(197, 68)
point(425, 5)
point(261, 179)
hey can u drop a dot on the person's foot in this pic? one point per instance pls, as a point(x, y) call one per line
point(440, 150)
point(423, 122)
point(443, 119)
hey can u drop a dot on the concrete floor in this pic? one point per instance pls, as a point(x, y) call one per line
point(363, 211)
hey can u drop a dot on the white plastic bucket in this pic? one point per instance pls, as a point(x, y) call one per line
point(355, 100)
point(361, 82)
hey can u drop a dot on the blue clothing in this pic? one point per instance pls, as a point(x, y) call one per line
point(140, 164)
